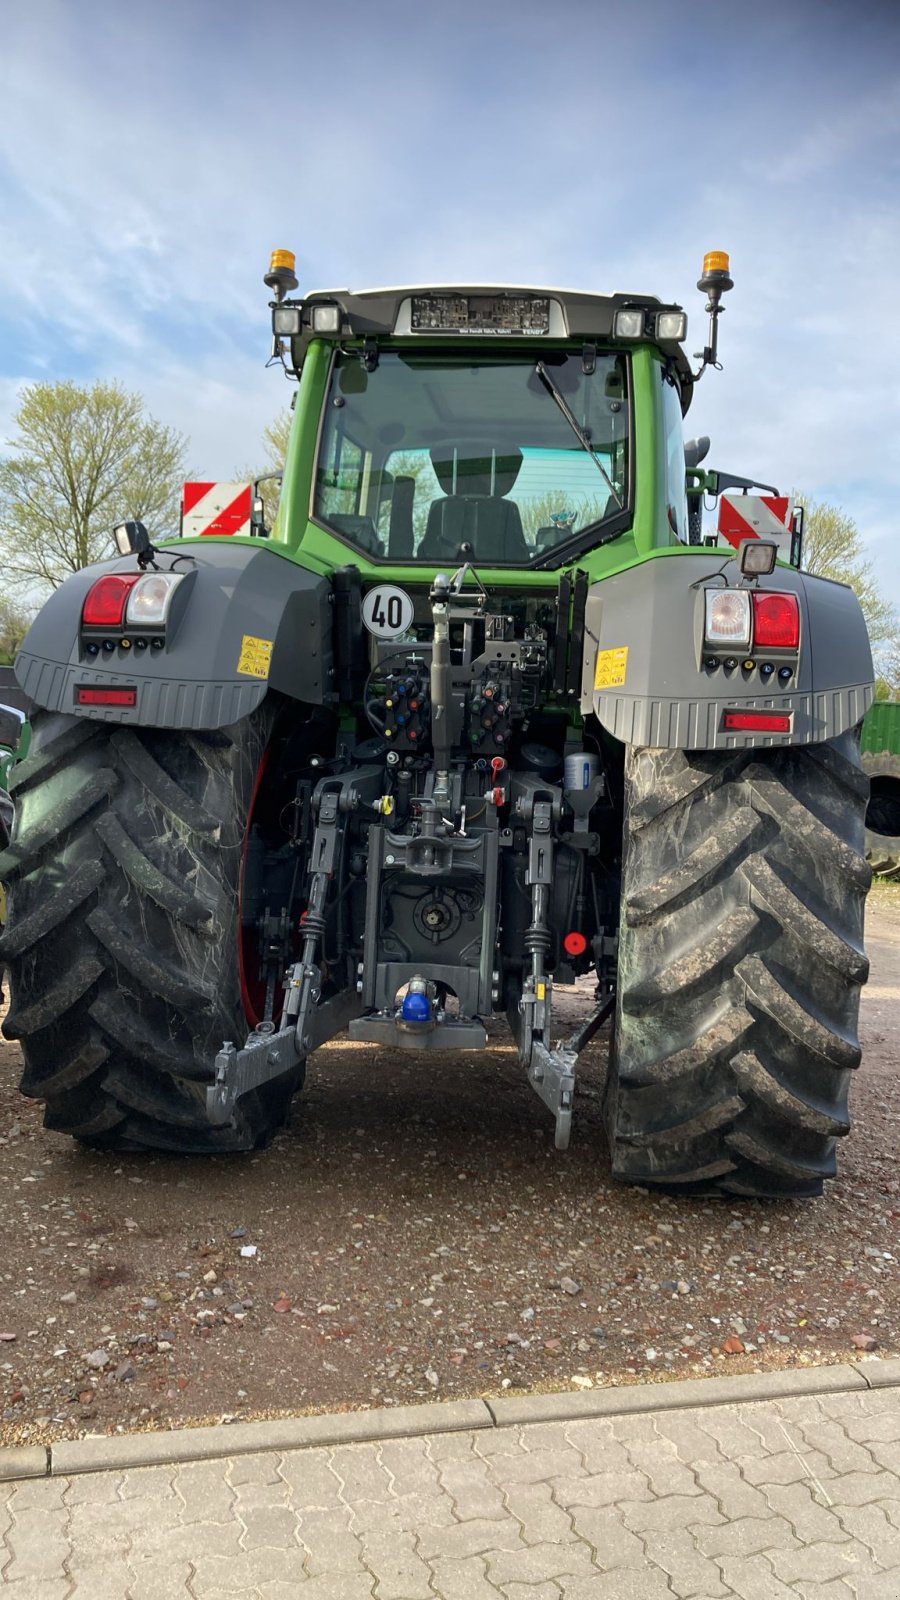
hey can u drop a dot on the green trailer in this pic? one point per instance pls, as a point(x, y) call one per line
point(480, 716)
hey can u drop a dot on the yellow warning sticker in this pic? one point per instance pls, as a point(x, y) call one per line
point(612, 668)
point(256, 656)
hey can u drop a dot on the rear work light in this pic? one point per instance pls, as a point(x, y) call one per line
point(105, 602)
point(756, 721)
point(776, 621)
point(105, 697)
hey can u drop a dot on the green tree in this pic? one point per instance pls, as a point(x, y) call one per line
point(887, 664)
point(275, 444)
point(82, 460)
point(14, 624)
point(833, 548)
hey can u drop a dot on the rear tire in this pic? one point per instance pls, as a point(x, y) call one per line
point(883, 814)
point(740, 965)
point(122, 947)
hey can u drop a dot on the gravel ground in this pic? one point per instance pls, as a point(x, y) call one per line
point(412, 1235)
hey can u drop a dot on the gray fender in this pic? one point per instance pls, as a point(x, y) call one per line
point(661, 694)
point(207, 676)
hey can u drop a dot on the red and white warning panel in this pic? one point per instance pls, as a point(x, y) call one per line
point(216, 508)
point(757, 516)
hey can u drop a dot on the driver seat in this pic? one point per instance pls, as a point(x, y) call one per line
point(473, 510)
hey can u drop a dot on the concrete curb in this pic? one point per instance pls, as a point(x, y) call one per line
point(24, 1461)
point(243, 1438)
point(880, 1374)
point(124, 1451)
point(682, 1395)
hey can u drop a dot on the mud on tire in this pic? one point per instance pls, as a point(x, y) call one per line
point(740, 964)
point(123, 876)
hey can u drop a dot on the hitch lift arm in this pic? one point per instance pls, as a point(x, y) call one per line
point(305, 1023)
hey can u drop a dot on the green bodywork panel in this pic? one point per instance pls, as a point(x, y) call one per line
point(881, 728)
point(10, 755)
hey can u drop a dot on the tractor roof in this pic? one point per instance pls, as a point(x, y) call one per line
point(474, 311)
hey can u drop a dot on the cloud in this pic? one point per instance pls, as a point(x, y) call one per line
point(151, 156)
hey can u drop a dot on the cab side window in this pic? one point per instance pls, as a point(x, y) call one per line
point(676, 495)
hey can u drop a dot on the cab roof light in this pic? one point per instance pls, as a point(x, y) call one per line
point(728, 618)
point(671, 325)
point(776, 621)
point(757, 721)
point(287, 321)
point(105, 602)
point(326, 318)
point(629, 324)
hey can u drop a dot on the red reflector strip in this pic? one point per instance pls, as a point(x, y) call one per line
point(756, 721)
point(105, 697)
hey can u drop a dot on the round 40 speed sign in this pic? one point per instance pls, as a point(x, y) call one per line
point(387, 611)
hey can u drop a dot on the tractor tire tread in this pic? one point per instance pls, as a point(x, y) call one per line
point(736, 1033)
point(137, 866)
point(122, 940)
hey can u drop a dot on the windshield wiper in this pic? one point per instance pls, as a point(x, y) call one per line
point(583, 438)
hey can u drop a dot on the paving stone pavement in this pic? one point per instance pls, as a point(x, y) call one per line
point(796, 1499)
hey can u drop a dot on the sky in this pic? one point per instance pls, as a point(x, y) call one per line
point(153, 154)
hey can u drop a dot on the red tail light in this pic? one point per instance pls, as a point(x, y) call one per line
point(575, 943)
point(104, 606)
point(106, 697)
point(776, 621)
point(756, 721)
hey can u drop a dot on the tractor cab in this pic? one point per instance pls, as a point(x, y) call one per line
point(499, 426)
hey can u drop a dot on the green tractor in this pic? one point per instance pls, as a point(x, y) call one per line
point(480, 716)
point(14, 737)
point(881, 760)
